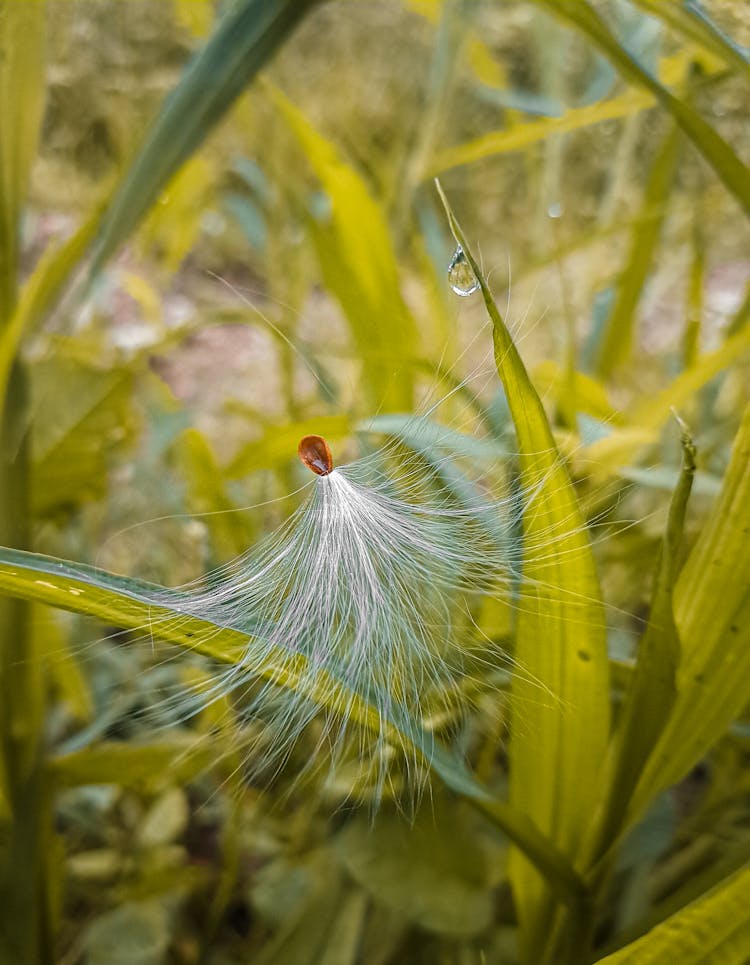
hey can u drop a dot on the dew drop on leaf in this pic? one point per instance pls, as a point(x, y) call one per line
point(461, 278)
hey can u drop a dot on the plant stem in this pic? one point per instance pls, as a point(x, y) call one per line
point(26, 938)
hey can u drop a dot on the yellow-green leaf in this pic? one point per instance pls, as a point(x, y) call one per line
point(655, 410)
point(712, 613)
point(358, 262)
point(693, 23)
point(618, 332)
point(75, 432)
point(129, 603)
point(560, 723)
point(714, 929)
point(22, 64)
point(117, 762)
point(206, 496)
point(653, 688)
point(727, 165)
point(520, 136)
point(589, 394)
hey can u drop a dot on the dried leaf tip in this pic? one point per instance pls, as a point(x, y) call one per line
point(315, 454)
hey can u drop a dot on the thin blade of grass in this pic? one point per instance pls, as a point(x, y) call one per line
point(558, 743)
point(520, 136)
point(695, 26)
point(128, 603)
point(712, 614)
point(206, 496)
point(22, 93)
point(121, 763)
point(26, 868)
point(358, 262)
point(725, 162)
point(41, 291)
point(617, 336)
point(715, 929)
point(653, 688)
point(241, 45)
point(653, 412)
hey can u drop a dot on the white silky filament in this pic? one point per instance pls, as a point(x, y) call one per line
point(360, 586)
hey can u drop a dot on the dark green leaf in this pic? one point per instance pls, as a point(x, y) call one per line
point(728, 166)
point(244, 41)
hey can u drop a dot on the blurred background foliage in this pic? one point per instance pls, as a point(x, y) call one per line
point(289, 278)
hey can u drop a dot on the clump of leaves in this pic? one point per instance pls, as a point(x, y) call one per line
point(564, 741)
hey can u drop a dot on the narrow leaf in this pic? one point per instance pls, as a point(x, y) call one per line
point(358, 262)
point(242, 44)
point(206, 496)
point(618, 332)
point(712, 613)
point(128, 603)
point(653, 687)
point(22, 64)
point(561, 700)
point(75, 433)
point(128, 764)
point(654, 411)
point(520, 136)
point(694, 25)
point(715, 929)
point(727, 165)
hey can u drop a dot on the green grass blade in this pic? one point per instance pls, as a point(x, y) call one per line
point(122, 763)
point(75, 432)
point(742, 315)
point(727, 165)
point(712, 613)
point(618, 333)
point(558, 742)
point(521, 136)
point(40, 292)
point(715, 929)
point(25, 870)
point(518, 137)
point(653, 688)
point(241, 45)
point(653, 412)
point(696, 27)
point(22, 91)
point(358, 263)
point(206, 496)
point(125, 602)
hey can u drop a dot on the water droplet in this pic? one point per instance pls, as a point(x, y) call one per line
point(555, 210)
point(461, 278)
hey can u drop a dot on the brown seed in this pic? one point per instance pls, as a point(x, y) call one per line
point(314, 452)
